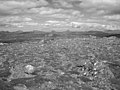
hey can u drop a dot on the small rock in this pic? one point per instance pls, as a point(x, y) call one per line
point(29, 69)
point(20, 88)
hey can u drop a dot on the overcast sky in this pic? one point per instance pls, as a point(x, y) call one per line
point(99, 7)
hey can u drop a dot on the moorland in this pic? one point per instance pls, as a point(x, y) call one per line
point(62, 60)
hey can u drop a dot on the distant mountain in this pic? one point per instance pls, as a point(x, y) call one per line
point(11, 37)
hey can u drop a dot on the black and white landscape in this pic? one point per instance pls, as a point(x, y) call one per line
point(59, 45)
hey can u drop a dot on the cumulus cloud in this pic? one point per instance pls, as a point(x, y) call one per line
point(101, 6)
point(8, 7)
point(96, 7)
point(112, 17)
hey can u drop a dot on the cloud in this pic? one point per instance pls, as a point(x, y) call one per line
point(96, 7)
point(112, 17)
point(41, 2)
point(101, 6)
point(100, 3)
point(15, 4)
point(88, 7)
point(8, 7)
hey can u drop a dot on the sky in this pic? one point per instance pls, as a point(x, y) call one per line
point(109, 9)
point(99, 7)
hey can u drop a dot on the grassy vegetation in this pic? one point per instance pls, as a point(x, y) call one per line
point(62, 61)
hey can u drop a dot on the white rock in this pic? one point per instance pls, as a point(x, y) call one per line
point(29, 69)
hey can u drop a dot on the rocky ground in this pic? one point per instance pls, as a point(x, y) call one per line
point(87, 63)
